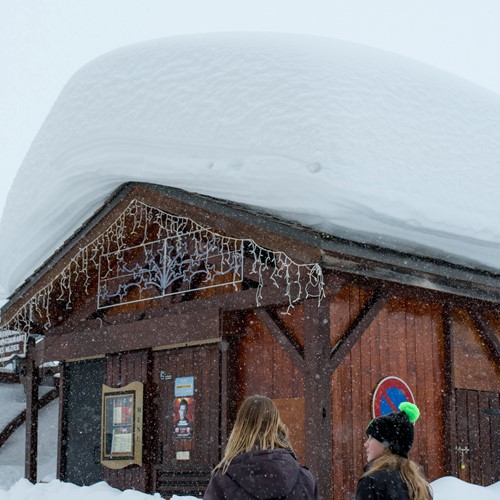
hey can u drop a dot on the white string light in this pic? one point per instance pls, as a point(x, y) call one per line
point(300, 281)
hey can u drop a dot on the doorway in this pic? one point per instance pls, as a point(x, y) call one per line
point(187, 405)
point(81, 422)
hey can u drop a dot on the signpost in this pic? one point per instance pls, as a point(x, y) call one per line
point(389, 394)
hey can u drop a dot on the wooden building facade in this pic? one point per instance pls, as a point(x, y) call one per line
point(312, 321)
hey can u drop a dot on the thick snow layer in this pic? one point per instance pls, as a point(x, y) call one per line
point(451, 488)
point(446, 488)
point(334, 135)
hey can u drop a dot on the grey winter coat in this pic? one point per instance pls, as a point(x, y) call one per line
point(263, 475)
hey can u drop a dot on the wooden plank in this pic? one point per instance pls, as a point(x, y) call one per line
point(410, 362)
point(495, 437)
point(484, 438)
point(450, 431)
point(488, 336)
point(357, 328)
point(427, 412)
point(292, 413)
point(339, 462)
point(284, 338)
point(116, 338)
point(462, 426)
point(475, 450)
point(356, 416)
point(438, 452)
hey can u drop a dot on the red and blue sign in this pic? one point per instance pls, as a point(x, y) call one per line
point(389, 394)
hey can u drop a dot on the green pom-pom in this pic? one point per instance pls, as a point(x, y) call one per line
point(411, 411)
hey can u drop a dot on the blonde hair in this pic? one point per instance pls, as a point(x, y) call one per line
point(258, 425)
point(418, 487)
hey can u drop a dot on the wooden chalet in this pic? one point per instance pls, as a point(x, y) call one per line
point(164, 296)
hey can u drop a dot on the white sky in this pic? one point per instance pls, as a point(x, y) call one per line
point(43, 42)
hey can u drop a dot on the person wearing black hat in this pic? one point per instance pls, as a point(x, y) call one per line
point(390, 474)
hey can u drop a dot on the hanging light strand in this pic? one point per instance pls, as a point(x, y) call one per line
point(301, 280)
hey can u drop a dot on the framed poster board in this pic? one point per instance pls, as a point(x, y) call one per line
point(121, 425)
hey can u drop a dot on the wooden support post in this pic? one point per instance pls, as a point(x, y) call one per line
point(231, 330)
point(31, 381)
point(450, 429)
point(318, 394)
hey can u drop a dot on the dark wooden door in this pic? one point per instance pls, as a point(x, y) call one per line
point(478, 436)
point(187, 452)
point(81, 423)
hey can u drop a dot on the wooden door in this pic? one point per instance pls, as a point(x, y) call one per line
point(478, 436)
point(81, 422)
point(187, 389)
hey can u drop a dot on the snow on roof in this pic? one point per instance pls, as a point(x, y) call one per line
point(337, 136)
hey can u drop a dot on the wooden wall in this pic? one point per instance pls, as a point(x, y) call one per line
point(264, 368)
point(405, 340)
point(478, 436)
point(473, 368)
point(122, 369)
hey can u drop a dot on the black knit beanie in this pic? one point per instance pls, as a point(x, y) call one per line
point(396, 430)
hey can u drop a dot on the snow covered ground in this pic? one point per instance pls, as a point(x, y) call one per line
point(446, 488)
point(12, 487)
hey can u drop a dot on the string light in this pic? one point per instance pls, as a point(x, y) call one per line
point(173, 250)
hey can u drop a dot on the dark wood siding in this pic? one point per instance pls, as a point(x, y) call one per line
point(122, 369)
point(265, 368)
point(203, 363)
point(405, 341)
point(478, 436)
point(473, 368)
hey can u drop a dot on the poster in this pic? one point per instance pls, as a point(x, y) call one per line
point(183, 417)
point(121, 425)
point(121, 408)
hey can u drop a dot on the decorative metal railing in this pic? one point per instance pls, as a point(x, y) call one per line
point(172, 255)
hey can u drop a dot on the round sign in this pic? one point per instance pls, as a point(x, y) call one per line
point(389, 394)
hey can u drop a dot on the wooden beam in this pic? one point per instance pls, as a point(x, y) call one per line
point(61, 428)
point(234, 301)
point(355, 331)
point(284, 338)
point(232, 329)
point(449, 421)
point(333, 283)
point(318, 393)
point(487, 335)
point(31, 381)
point(108, 339)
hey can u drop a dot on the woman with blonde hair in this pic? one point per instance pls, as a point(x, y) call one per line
point(390, 474)
point(259, 461)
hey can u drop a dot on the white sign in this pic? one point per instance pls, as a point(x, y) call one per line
point(11, 343)
point(184, 386)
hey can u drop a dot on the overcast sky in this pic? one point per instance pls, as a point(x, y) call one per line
point(43, 42)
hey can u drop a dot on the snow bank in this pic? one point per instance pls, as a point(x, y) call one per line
point(446, 488)
point(57, 490)
point(452, 488)
point(337, 136)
